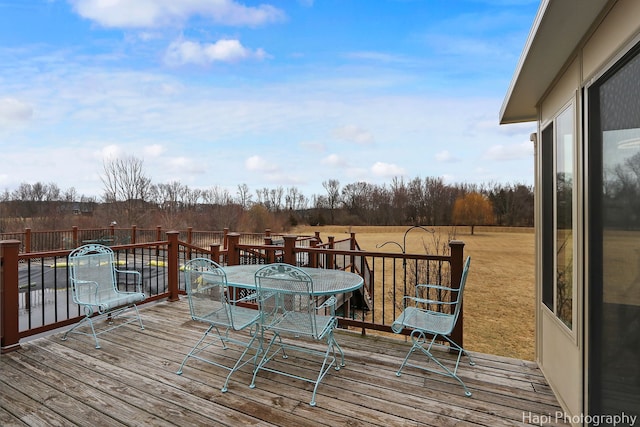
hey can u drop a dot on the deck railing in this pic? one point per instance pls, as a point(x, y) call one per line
point(52, 240)
point(36, 296)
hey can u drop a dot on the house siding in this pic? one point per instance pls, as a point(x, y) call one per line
point(560, 353)
point(618, 28)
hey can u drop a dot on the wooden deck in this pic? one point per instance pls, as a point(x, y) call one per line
point(132, 380)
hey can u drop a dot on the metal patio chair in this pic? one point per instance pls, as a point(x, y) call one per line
point(288, 308)
point(95, 287)
point(432, 315)
point(211, 302)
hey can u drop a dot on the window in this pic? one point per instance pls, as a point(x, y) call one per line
point(564, 250)
point(558, 181)
point(547, 217)
point(613, 270)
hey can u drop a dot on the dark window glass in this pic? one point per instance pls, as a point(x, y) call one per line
point(548, 269)
point(564, 216)
point(614, 240)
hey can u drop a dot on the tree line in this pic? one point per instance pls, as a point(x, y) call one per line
point(131, 198)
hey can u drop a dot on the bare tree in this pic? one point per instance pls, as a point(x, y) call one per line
point(333, 195)
point(357, 199)
point(190, 197)
point(217, 196)
point(295, 200)
point(512, 204)
point(124, 181)
point(400, 202)
point(275, 198)
point(38, 191)
point(262, 198)
point(166, 196)
point(70, 195)
point(244, 197)
point(52, 192)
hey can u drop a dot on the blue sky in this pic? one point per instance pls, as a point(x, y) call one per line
point(271, 93)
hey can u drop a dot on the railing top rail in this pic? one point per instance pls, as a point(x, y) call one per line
point(359, 252)
point(196, 247)
point(65, 252)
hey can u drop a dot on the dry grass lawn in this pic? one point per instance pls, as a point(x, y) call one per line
point(499, 298)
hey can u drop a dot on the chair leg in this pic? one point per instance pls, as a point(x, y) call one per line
point(334, 344)
point(325, 366)
point(125, 315)
point(109, 318)
point(419, 341)
point(70, 330)
point(266, 357)
point(135, 307)
point(448, 372)
point(239, 364)
point(195, 349)
point(460, 350)
point(93, 331)
point(86, 319)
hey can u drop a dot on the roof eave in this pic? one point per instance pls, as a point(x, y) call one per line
point(557, 30)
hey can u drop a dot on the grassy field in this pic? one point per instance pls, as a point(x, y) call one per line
point(499, 298)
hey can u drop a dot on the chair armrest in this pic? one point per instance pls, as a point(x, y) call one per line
point(252, 297)
point(435, 287)
point(416, 301)
point(428, 287)
point(136, 273)
point(408, 298)
point(329, 302)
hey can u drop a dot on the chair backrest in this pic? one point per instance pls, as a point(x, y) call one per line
point(207, 292)
point(447, 301)
point(463, 281)
point(93, 274)
point(287, 291)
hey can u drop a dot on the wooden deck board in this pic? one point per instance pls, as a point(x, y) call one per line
point(132, 380)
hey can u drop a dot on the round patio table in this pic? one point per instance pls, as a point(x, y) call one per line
point(325, 281)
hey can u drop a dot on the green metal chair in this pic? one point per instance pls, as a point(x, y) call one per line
point(288, 308)
point(432, 314)
point(94, 284)
point(211, 302)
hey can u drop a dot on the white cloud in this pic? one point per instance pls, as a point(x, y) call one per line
point(334, 160)
point(510, 152)
point(14, 111)
point(157, 13)
point(182, 52)
point(148, 35)
point(154, 150)
point(386, 169)
point(446, 156)
point(110, 152)
point(352, 133)
point(261, 171)
point(180, 164)
point(258, 164)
